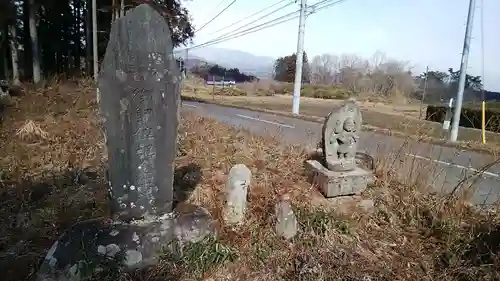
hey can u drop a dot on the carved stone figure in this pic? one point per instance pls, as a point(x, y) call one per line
point(338, 174)
point(340, 136)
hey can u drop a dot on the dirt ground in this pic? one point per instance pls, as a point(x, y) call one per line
point(321, 107)
point(53, 163)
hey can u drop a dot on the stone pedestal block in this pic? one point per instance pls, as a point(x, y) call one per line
point(96, 245)
point(333, 184)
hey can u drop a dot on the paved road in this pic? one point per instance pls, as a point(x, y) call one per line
point(441, 167)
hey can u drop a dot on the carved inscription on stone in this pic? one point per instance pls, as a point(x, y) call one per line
point(140, 99)
point(143, 137)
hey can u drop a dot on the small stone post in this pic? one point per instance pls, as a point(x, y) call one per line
point(287, 225)
point(237, 185)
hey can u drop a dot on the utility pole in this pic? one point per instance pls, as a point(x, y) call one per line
point(299, 56)
point(94, 38)
point(463, 72)
point(122, 8)
point(213, 87)
point(186, 61)
point(425, 92)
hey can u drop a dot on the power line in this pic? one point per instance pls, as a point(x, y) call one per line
point(317, 6)
point(250, 16)
point(214, 9)
point(244, 32)
point(265, 25)
point(231, 35)
point(256, 20)
point(254, 29)
point(320, 2)
point(216, 16)
point(218, 5)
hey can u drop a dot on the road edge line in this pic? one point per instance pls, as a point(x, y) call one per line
point(368, 128)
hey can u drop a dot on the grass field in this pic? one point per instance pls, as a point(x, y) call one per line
point(389, 118)
point(53, 161)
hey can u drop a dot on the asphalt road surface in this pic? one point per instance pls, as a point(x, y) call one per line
point(442, 168)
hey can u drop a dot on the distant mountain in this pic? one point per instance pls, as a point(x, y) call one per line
point(259, 66)
point(196, 62)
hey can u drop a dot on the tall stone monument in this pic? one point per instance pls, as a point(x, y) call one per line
point(338, 173)
point(140, 99)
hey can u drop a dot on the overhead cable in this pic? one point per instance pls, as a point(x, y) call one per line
point(254, 21)
point(216, 16)
point(285, 18)
point(248, 17)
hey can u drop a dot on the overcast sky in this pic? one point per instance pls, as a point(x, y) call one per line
point(425, 32)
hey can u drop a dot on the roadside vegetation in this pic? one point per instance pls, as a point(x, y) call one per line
point(403, 120)
point(385, 87)
point(53, 163)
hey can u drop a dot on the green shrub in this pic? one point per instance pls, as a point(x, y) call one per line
point(324, 92)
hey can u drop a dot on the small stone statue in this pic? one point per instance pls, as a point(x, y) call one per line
point(338, 174)
point(347, 141)
point(342, 126)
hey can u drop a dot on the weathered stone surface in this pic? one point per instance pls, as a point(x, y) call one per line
point(340, 136)
point(193, 223)
point(348, 204)
point(140, 99)
point(339, 174)
point(139, 89)
point(237, 185)
point(96, 245)
point(367, 205)
point(287, 225)
point(333, 183)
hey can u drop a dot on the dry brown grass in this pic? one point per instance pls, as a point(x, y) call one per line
point(52, 172)
point(410, 235)
point(30, 130)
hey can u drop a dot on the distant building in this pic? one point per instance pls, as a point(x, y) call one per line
point(218, 80)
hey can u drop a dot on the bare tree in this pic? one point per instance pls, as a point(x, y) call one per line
point(14, 54)
point(324, 69)
point(350, 71)
point(377, 75)
point(377, 59)
point(8, 18)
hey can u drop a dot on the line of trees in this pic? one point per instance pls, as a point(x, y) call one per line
point(389, 78)
point(41, 38)
point(217, 72)
point(441, 86)
point(284, 68)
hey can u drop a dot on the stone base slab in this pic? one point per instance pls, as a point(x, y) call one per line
point(94, 246)
point(333, 184)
